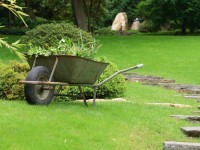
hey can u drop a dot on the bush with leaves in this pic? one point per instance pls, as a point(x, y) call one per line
point(105, 31)
point(10, 75)
point(49, 35)
point(148, 26)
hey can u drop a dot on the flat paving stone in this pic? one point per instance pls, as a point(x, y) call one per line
point(171, 145)
point(185, 88)
point(186, 117)
point(196, 112)
point(191, 131)
point(197, 97)
point(170, 104)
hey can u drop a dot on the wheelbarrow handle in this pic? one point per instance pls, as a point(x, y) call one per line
point(118, 72)
point(131, 68)
point(140, 65)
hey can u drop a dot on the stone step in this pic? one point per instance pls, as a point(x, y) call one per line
point(185, 88)
point(152, 80)
point(196, 112)
point(149, 81)
point(186, 117)
point(169, 84)
point(171, 145)
point(197, 96)
point(170, 104)
point(191, 131)
point(138, 76)
point(156, 82)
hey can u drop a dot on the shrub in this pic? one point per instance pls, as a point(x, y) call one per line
point(105, 31)
point(10, 75)
point(14, 30)
point(49, 35)
point(113, 88)
point(148, 26)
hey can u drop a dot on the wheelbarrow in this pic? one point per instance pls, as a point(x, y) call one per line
point(50, 73)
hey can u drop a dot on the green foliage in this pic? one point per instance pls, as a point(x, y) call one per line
point(112, 89)
point(11, 6)
point(49, 35)
point(147, 26)
point(182, 14)
point(115, 6)
point(10, 75)
point(105, 31)
point(13, 31)
point(32, 23)
point(67, 46)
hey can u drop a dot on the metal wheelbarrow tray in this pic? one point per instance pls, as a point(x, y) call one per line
point(50, 73)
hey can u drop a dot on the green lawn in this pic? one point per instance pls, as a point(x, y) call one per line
point(112, 125)
point(173, 57)
point(64, 125)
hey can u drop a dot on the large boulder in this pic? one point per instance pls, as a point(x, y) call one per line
point(120, 22)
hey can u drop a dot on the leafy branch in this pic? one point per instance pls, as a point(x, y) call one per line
point(17, 11)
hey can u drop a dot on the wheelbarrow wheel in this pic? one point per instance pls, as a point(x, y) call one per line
point(38, 94)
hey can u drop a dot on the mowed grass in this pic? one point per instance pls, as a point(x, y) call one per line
point(109, 125)
point(172, 57)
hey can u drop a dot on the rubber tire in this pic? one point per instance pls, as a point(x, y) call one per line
point(30, 90)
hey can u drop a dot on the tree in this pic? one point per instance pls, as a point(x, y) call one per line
point(17, 11)
point(182, 13)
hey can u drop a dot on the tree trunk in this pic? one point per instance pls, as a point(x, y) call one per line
point(90, 19)
point(80, 16)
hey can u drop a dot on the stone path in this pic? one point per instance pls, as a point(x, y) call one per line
point(170, 145)
point(187, 117)
point(152, 80)
point(181, 117)
point(191, 91)
point(169, 84)
point(193, 96)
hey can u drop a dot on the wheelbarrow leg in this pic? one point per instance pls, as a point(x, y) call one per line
point(82, 95)
point(94, 96)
